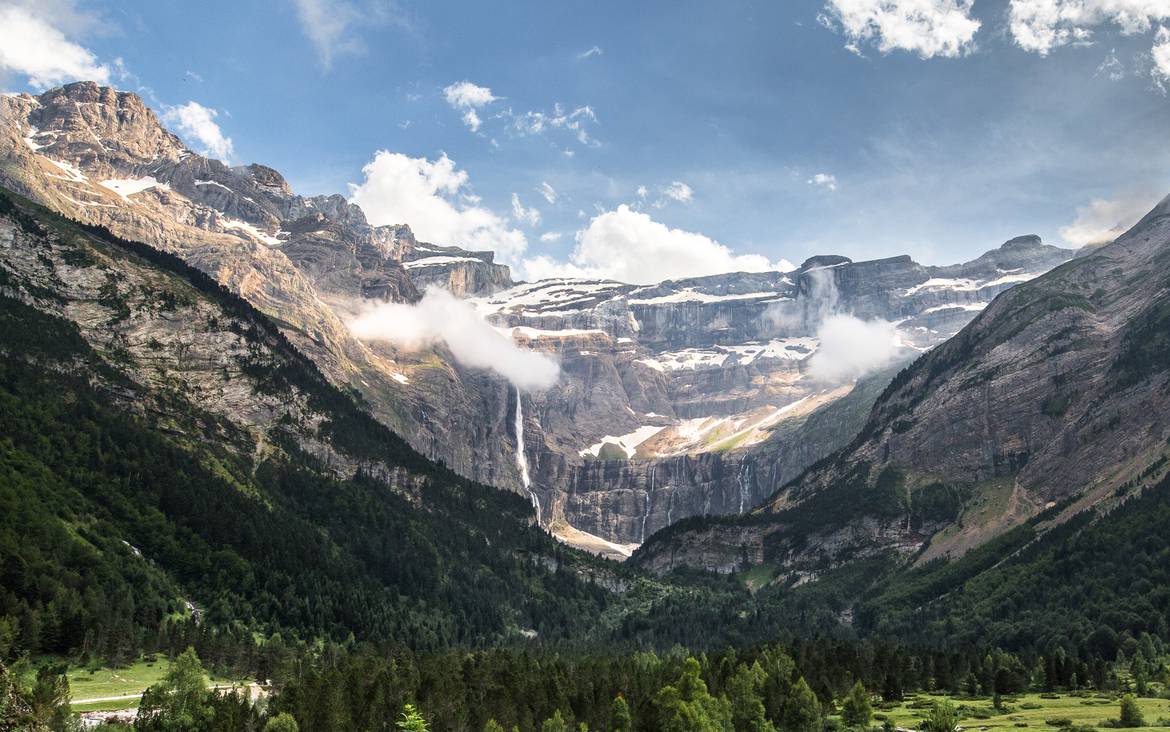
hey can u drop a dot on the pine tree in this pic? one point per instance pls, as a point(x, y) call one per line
point(411, 720)
point(745, 694)
point(942, 718)
point(855, 709)
point(619, 715)
point(555, 723)
point(802, 711)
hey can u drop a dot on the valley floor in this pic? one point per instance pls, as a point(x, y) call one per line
point(1026, 711)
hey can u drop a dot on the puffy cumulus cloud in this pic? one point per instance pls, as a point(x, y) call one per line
point(429, 196)
point(468, 97)
point(465, 95)
point(851, 348)
point(440, 317)
point(33, 45)
point(824, 180)
point(528, 216)
point(928, 28)
point(1103, 220)
point(628, 246)
point(1042, 25)
point(196, 122)
point(549, 193)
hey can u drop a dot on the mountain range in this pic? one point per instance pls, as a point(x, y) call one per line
point(196, 422)
point(677, 399)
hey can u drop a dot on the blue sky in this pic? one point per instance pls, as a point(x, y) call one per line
point(937, 128)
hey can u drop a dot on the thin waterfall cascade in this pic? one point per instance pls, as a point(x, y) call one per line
point(522, 459)
point(744, 491)
point(649, 502)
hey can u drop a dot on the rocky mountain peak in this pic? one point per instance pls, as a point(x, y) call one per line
point(90, 122)
point(267, 178)
point(825, 260)
point(1027, 241)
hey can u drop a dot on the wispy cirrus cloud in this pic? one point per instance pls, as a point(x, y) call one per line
point(334, 27)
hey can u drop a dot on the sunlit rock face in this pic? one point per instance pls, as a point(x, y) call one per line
point(681, 398)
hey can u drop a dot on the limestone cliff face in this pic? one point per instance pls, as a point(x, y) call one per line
point(694, 397)
point(1055, 397)
point(677, 399)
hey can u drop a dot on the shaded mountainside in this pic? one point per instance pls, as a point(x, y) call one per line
point(167, 456)
point(1055, 396)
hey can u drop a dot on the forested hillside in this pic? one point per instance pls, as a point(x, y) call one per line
point(129, 510)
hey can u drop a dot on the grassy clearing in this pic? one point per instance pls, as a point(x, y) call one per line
point(1030, 711)
point(122, 681)
point(758, 576)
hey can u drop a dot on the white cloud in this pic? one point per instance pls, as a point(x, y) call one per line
point(328, 24)
point(426, 195)
point(528, 216)
point(550, 236)
point(549, 193)
point(196, 122)
point(642, 192)
point(679, 191)
point(1111, 68)
point(1103, 220)
point(466, 95)
point(471, 119)
point(824, 180)
point(440, 317)
point(31, 45)
point(1042, 25)
point(538, 123)
point(629, 246)
point(851, 347)
point(469, 97)
point(926, 27)
point(1161, 56)
point(593, 51)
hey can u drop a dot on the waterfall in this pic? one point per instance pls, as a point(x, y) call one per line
point(649, 502)
point(522, 459)
point(743, 487)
